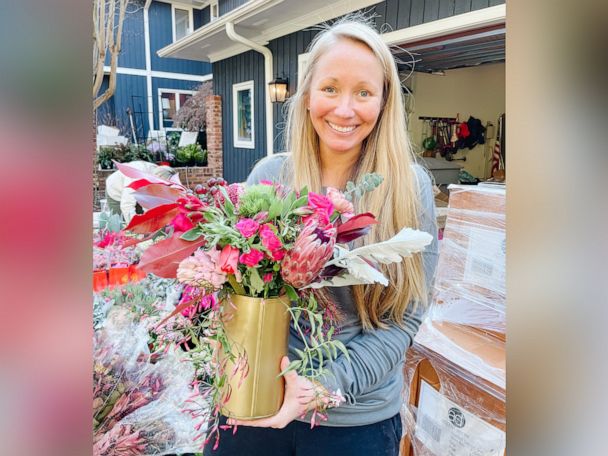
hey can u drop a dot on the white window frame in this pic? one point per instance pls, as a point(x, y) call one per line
point(212, 4)
point(250, 144)
point(177, 106)
point(190, 18)
point(302, 62)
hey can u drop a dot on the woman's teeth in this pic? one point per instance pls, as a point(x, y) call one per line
point(341, 129)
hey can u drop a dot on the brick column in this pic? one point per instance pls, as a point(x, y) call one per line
point(213, 118)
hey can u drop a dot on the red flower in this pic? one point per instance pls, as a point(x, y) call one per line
point(252, 258)
point(322, 207)
point(229, 259)
point(182, 223)
point(267, 277)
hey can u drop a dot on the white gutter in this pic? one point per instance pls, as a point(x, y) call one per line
point(267, 76)
point(148, 67)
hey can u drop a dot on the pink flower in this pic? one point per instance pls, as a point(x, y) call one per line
point(266, 182)
point(182, 223)
point(267, 277)
point(247, 227)
point(252, 258)
point(202, 270)
point(269, 239)
point(322, 207)
point(341, 204)
point(277, 255)
point(229, 258)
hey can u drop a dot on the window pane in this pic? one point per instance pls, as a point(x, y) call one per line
point(182, 23)
point(183, 97)
point(168, 107)
point(244, 112)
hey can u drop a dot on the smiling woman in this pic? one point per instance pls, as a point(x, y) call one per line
point(347, 120)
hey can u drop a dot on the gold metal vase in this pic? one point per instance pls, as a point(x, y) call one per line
point(260, 328)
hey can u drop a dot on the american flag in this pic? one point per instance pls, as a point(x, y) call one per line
point(496, 154)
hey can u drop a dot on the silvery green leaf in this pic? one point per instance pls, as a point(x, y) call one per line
point(405, 243)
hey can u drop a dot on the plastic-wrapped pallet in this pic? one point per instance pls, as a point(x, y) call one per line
point(470, 280)
point(454, 400)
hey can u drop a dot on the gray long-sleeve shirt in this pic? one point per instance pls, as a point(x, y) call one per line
point(372, 380)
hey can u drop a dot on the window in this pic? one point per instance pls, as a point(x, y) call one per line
point(182, 22)
point(242, 115)
point(169, 103)
point(214, 10)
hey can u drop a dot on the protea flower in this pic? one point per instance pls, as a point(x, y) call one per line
point(312, 249)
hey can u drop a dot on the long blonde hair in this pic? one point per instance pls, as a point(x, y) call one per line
point(387, 151)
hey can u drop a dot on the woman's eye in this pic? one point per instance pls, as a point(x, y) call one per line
point(364, 93)
point(329, 90)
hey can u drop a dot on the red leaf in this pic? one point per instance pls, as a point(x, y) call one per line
point(154, 219)
point(153, 195)
point(134, 173)
point(357, 222)
point(163, 257)
point(355, 227)
point(134, 241)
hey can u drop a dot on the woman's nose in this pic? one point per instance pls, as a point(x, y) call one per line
point(345, 107)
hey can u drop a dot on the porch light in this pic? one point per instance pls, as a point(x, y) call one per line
point(278, 90)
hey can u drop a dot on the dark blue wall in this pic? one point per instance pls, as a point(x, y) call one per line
point(226, 6)
point(201, 17)
point(131, 93)
point(243, 67)
point(161, 35)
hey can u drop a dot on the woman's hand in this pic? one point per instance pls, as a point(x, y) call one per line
point(300, 397)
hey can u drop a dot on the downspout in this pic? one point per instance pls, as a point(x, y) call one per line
point(267, 76)
point(149, 98)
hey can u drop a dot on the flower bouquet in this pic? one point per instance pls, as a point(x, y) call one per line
point(261, 251)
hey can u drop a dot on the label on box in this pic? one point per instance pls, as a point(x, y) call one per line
point(447, 429)
point(485, 264)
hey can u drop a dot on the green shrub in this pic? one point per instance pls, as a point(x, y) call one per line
point(192, 155)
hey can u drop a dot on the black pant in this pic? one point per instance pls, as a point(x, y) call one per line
point(297, 439)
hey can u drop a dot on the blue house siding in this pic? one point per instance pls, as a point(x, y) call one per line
point(164, 83)
point(201, 17)
point(131, 93)
point(132, 54)
point(161, 35)
point(243, 67)
point(225, 6)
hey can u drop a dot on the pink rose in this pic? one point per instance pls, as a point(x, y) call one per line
point(247, 227)
point(267, 277)
point(277, 255)
point(269, 239)
point(341, 204)
point(252, 258)
point(229, 259)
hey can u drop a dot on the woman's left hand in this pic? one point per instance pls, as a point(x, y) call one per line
point(299, 398)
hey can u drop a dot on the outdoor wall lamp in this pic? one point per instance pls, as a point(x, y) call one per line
point(278, 90)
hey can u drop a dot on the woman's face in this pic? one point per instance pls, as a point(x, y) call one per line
point(345, 97)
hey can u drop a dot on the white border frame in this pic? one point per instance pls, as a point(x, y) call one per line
point(190, 18)
point(247, 85)
point(213, 3)
point(177, 106)
point(302, 62)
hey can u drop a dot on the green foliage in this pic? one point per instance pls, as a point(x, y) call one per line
point(122, 154)
point(105, 156)
point(369, 182)
point(191, 155)
point(258, 198)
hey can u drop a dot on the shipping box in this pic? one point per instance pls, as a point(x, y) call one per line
point(454, 399)
point(470, 279)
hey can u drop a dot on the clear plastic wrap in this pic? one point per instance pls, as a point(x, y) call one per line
point(470, 280)
point(140, 406)
point(454, 399)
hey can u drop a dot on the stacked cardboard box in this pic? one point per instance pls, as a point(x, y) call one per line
point(454, 403)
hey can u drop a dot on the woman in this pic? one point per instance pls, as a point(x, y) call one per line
point(347, 119)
